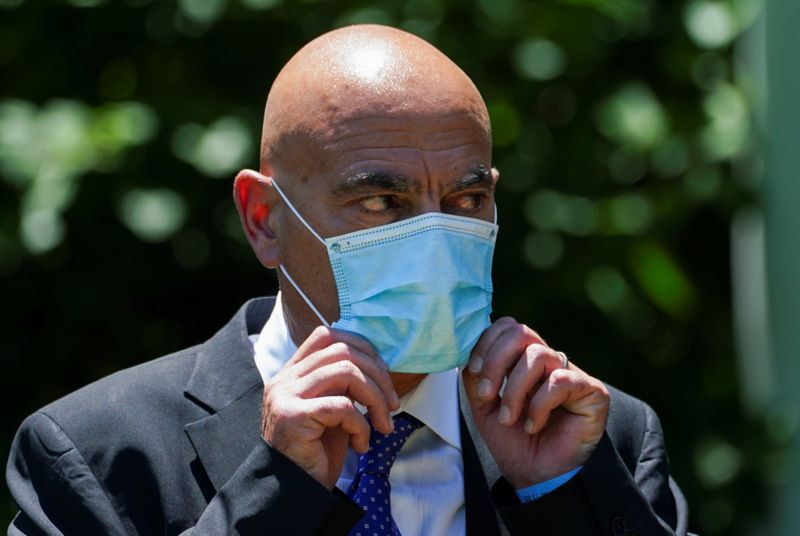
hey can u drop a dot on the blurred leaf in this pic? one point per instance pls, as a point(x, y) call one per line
point(661, 279)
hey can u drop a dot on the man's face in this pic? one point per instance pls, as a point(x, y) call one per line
point(376, 169)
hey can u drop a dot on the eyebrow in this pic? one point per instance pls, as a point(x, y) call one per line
point(366, 181)
point(371, 181)
point(478, 176)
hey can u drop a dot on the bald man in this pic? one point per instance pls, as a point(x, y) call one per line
point(373, 395)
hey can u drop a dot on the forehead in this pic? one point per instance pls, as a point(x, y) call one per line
point(422, 148)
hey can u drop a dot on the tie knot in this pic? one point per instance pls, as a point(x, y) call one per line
point(383, 449)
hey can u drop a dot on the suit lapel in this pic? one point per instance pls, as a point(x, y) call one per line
point(226, 382)
point(223, 440)
point(480, 473)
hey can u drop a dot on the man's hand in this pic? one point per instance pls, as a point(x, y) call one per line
point(309, 413)
point(547, 420)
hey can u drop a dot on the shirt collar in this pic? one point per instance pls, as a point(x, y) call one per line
point(274, 346)
point(434, 401)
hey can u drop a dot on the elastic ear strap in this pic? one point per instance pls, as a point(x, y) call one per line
point(495, 214)
point(291, 206)
point(305, 298)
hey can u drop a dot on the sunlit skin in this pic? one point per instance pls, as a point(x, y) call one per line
point(366, 126)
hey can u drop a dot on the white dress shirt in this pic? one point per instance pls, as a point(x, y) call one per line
point(427, 477)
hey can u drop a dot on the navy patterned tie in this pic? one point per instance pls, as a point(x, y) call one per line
point(370, 488)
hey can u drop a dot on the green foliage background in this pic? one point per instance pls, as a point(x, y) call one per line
point(622, 129)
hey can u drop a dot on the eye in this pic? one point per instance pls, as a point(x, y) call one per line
point(470, 202)
point(378, 203)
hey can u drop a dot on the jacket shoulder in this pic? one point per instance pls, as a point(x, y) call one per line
point(130, 399)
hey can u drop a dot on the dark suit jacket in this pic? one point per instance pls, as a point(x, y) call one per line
point(173, 447)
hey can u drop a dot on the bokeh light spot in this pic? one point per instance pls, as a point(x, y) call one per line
point(203, 12)
point(539, 59)
point(726, 135)
point(710, 24)
point(367, 15)
point(671, 157)
point(85, 3)
point(543, 209)
point(217, 151)
point(41, 230)
point(499, 10)
point(153, 215)
point(703, 182)
point(258, 5)
point(606, 288)
point(717, 462)
point(630, 214)
point(633, 116)
point(543, 250)
point(626, 166)
point(557, 104)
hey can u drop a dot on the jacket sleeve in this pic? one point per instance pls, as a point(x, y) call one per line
point(57, 493)
point(52, 484)
point(607, 497)
point(269, 494)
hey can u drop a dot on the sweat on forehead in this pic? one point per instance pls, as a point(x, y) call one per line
point(364, 73)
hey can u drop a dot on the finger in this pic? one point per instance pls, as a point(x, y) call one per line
point(561, 387)
point(323, 336)
point(486, 340)
point(479, 388)
point(471, 382)
point(345, 378)
point(360, 343)
point(502, 356)
point(341, 351)
point(333, 411)
point(536, 363)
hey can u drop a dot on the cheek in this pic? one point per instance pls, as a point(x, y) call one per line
point(307, 262)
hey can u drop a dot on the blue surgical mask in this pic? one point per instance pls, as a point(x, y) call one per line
point(419, 290)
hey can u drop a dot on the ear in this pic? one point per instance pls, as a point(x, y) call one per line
point(254, 198)
point(495, 176)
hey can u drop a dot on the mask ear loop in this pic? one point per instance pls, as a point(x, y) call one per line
point(296, 213)
point(495, 214)
point(283, 269)
point(305, 298)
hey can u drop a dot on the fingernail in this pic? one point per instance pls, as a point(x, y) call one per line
point(395, 398)
point(528, 426)
point(476, 364)
point(383, 364)
point(484, 388)
point(505, 415)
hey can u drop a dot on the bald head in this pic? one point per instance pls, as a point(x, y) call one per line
point(360, 73)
